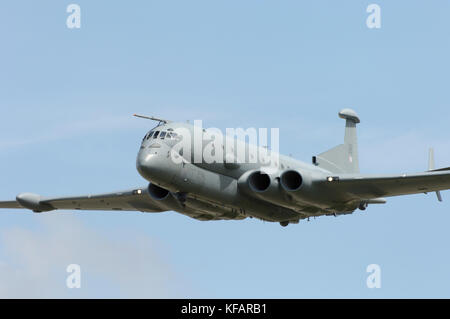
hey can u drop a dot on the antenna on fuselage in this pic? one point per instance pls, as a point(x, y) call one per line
point(152, 118)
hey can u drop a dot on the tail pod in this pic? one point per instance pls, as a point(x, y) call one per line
point(342, 158)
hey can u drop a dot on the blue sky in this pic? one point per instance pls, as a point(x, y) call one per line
point(66, 100)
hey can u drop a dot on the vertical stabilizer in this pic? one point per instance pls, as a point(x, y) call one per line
point(343, 158)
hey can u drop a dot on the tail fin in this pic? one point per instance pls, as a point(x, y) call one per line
point(342, 158)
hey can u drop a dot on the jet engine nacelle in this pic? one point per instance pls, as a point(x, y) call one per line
point(254, 182)
point(286, 188)
point(293, 181)
point(300, 185)
point(265, 186)
point(259, 182)
point(163, 198)
point(156, 192)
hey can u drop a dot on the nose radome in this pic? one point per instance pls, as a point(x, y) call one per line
point(146, 163)
point(154, 164)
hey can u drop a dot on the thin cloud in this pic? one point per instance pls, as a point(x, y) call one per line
point(35, 263)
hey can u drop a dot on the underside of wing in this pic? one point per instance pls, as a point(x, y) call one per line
point(138, 199)
point(129, 200)
point(368, 187)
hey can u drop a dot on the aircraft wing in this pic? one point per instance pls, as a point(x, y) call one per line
point(130, 200)
point(10, 204)
point(368, 187)
point(138, 199)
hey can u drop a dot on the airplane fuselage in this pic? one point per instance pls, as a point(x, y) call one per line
point(223, 185)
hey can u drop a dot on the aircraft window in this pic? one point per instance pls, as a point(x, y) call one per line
point(169, 136)
point(156, 134)
point(150, 135)
point(162, 135)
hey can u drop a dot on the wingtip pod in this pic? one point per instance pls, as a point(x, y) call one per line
point(33, 202)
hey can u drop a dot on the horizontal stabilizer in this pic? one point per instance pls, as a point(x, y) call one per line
point(440, 169)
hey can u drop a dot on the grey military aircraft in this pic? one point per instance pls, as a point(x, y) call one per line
point(234, 190)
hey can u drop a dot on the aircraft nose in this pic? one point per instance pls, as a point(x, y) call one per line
point(146, 163)
point(154, 165)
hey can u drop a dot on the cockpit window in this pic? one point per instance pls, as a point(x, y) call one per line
point(150, 135)
point(168, 135)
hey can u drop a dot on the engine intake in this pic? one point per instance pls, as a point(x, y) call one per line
point(259, 182)
point(291, 180)
point(156, 192)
